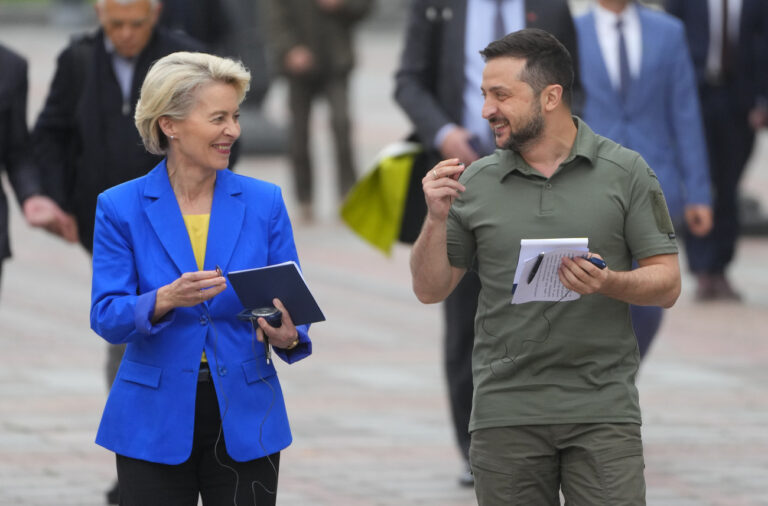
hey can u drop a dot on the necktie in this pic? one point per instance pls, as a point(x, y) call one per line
point(498, 27)
point(725, 44)
point(624, 76)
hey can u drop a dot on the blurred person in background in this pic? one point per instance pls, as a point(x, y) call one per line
point(196, 409)
point(233, 28)
point(640, 91)
point(207, 21)
point(16, 159)
point(84, 139)
point(312, 41)
point(438, 88)
point(729, 45)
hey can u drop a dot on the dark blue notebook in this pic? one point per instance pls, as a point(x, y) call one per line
point(257, 287)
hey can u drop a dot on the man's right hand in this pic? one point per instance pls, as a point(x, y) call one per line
point(456, 144)
point(441, 187)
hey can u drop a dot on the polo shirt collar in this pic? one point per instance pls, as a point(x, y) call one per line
point(584, 146)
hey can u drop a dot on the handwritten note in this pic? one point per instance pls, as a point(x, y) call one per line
point(545, 284)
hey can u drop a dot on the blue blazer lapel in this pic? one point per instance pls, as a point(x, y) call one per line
point(227, 216)
point(594, 64)
point(650, 44)
point(164, 215)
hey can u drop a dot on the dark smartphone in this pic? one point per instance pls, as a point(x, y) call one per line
point(272, 315)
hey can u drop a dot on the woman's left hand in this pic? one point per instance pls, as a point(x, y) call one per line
point(285, 336)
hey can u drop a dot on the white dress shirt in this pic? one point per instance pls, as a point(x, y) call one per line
point(716, 32)
point(608, 37)
point(123, 69)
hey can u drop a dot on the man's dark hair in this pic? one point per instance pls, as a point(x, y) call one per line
point(547, 60)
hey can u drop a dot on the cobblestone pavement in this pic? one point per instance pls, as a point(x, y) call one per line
point(368, 410)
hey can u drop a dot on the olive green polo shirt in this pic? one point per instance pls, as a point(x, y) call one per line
point(561, 362)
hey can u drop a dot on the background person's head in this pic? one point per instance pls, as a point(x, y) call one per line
point(183, 84)
point(128, 24)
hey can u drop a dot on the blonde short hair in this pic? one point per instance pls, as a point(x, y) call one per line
point(170, 89)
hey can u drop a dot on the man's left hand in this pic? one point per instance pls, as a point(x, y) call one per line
point(582, 276)
point(699, 219)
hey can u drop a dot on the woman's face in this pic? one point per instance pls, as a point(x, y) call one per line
point(204, 138)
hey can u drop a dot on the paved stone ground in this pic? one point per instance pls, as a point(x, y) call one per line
point(368, 410)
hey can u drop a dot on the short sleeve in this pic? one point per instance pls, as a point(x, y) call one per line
point(648, 226)
point(460, 240)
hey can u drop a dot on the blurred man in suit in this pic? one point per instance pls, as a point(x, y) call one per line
point(640, 91)
point(39, 210)
point(84, 139)
point(729, 45)
point(438, 87)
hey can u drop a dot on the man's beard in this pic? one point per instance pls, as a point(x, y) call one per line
point(526, 135)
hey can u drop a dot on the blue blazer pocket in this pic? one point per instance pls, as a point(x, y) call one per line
point(135, 372)
point(256, 370)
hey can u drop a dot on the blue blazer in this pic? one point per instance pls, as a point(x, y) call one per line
point(661, 119)
point(140, 244)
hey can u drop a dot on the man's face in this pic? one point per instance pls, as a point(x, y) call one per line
point(129, 26)
point(511, 107)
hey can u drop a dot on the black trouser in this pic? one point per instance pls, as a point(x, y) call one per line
point(729, 141)
point(220, 483)
point(459, 311)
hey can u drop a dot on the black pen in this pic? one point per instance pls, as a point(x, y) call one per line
point(535, 267)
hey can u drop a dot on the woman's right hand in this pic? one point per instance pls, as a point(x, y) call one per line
point(190, 289)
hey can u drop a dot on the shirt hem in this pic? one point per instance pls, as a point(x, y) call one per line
point(514, 422)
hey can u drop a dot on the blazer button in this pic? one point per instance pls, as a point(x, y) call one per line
point(203, 320)
point(222, 370)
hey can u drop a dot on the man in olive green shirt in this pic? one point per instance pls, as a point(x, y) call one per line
point(555, 404)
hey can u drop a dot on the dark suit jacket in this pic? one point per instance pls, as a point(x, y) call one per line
point(750, 71)
point(14, 138)
point(429, 84)
point(85, 140)
point(430, 81)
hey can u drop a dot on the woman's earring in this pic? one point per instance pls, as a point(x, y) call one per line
point(172, 137)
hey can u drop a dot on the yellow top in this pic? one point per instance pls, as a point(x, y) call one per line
point(197, 228)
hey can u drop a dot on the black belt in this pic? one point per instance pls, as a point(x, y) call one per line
point(204, 375)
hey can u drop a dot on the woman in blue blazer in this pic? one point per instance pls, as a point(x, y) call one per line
point(195, 397)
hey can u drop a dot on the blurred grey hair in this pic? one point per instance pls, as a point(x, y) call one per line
point(170, 89)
